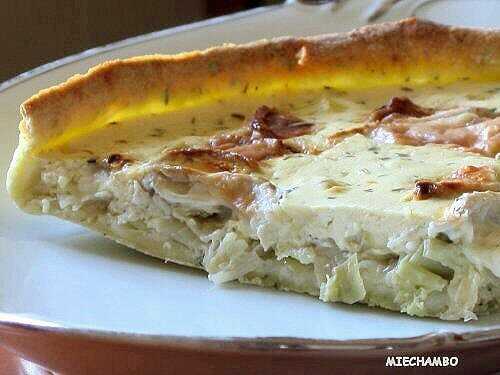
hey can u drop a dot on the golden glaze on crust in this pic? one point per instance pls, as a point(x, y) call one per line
point(411, 50)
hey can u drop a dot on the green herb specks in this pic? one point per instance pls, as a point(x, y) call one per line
point(166, 96)
point(238, 116)
point(213, 66)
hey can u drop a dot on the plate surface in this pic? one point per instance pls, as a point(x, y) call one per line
point(59, 277)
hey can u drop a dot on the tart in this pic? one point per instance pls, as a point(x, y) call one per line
point(358, 168)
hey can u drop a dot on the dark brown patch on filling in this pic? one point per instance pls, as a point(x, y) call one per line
point(209, 160)
point(116, 161)
point(238, 116)
point(260, 139)
point(270, 123)
point(403, 122)
point(464, 180)
point(400, 106)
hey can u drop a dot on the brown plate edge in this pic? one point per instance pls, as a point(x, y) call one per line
point(83, 351)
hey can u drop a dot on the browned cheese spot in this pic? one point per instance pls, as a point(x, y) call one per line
point(260, 139)
point(464, 180)
point(403, 122)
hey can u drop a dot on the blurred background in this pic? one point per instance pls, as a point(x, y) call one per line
point(36, 32)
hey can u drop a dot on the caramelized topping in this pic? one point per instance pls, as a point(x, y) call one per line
point(401, 106)
point(241, 151)
point(346, 133)
point(269, 123)
point(261, 149)
point(240, 191)
point(464, 180)
point(397, 108)
point(403, 122)
point(209, 160)
point(474, 129)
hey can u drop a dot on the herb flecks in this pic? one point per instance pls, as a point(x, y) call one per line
point(402, 155)
point(238, 116)
point(335, 91)
point(166, 96)
point(157, 132)
point(493, 90)
point(213, 67)
point(398, 189)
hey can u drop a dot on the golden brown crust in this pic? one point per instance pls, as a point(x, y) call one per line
point(390, 49)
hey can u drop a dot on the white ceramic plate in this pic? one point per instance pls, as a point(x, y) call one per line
point(55, 273)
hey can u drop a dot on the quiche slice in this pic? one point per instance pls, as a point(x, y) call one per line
point(358, 168)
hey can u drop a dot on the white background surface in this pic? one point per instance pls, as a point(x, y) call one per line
point(64, 275)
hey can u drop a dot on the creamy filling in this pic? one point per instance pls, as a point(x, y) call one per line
point(286, 203)
point(334, 258)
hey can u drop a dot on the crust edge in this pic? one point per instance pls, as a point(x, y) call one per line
point(385, 48)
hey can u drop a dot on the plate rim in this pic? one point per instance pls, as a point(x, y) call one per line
point(422, 343)
point(358, 347)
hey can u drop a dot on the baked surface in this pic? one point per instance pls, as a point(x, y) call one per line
point(357, 167)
